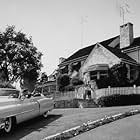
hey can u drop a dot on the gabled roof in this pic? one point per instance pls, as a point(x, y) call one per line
point(87, 50)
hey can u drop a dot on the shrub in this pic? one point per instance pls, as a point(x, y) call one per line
point(69, 88)
point(119, 100)
point(118, 73)
point(76, 81)
point(63, 81)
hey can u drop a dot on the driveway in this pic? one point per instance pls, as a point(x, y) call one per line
point(60, 120)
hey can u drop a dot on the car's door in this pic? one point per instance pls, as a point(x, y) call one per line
point(46, 104)
point(27, 109)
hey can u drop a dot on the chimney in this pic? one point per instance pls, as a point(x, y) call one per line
point(126, 35)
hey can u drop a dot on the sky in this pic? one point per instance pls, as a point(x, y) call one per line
point(61, 27)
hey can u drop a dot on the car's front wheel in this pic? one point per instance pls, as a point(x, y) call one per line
point(10, 124)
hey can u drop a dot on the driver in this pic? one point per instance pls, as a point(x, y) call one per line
point(26, 93)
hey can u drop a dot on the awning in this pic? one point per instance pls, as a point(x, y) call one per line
point(98, 67)
point(62, 67)
point(74, 63)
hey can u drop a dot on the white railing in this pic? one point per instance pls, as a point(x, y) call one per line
point(118, 90)
point(98, 93)
point(65, 95)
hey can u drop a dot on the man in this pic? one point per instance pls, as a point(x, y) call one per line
point(25, 93)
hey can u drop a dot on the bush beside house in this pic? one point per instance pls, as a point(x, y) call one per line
point(65, 83)
point(75, 81)
point(119, 100)
point(62, 82)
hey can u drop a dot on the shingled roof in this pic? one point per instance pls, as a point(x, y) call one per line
point(121, 55)
point(135, 43)
point(87, 50)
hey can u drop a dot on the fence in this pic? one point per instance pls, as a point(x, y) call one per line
point(65, 95)
point(118, 90)
point(97, 94)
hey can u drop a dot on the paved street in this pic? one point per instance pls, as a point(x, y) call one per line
point(60, 120)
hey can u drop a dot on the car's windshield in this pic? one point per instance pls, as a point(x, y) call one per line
point(9, 92)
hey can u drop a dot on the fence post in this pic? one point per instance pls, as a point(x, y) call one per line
point(109, 90)
point(134, 87)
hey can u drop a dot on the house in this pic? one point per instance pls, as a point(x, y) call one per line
point(93, 62)
point(52, 76)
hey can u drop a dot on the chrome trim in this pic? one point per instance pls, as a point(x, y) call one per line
point(20, 113)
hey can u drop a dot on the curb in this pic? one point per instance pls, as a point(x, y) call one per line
point(67, 134)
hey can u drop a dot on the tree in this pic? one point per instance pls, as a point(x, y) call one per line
point(19, 58)
point(119, 74)
point(63, 81)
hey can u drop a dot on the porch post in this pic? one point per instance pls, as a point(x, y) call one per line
point(98, 75)
point(70, 68)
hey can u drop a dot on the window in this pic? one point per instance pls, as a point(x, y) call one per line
point(93, 75)
point(64, 70)
point(103, 74)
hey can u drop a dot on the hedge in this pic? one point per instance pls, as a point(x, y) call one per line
point(119, 100)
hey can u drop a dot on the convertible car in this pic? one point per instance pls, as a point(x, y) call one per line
point(16, 107)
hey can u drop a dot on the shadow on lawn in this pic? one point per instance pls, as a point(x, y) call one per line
point(33, 125)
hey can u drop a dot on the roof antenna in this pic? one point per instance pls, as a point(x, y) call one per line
point(124, 10)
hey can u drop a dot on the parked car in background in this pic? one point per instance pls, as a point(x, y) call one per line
point(18, 106)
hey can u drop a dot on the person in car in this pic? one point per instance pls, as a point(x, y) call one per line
point(26, 93)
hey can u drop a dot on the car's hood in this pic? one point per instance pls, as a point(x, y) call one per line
point(5, 100)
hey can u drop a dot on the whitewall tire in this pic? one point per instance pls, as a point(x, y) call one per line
point(10, 124)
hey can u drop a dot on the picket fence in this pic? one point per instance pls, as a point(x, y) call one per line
point(118, 90)
point(97, 93)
